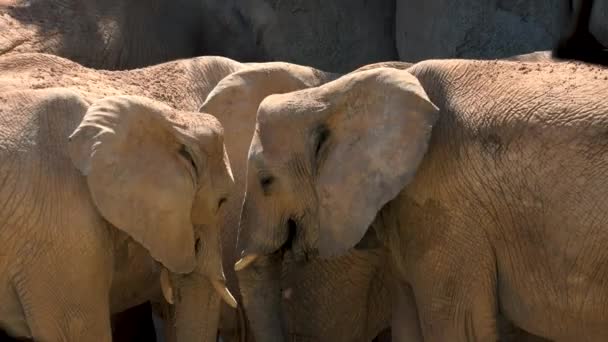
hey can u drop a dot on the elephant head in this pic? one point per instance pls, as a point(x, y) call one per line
point(322, 162)
point(234, 101)
point(161, 176)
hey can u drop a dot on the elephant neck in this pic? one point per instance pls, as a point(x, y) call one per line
point(136, 277)
point(393, 232)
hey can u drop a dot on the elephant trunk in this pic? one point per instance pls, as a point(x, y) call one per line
point(197, 310)
point(260, 286)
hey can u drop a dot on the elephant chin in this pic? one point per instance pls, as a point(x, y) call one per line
point(197, 310)
point(260, 285)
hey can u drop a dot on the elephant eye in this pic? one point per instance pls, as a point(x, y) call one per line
point(266, 182)
point(221, 202)
point(322, 134)
point(183, 151)
point(197, 245)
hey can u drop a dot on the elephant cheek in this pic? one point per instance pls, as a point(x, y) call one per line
point(260, 231)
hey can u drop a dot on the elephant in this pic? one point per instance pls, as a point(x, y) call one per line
point(88, 183)
point(136, 276)
point(483, 179)
point(334, 311)
point(333, 300)
point(349, 298)
point(338, 36)
point(120, 34)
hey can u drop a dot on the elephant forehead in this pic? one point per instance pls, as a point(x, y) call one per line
point(279, 144)
point(200, 126)
point(283, 108)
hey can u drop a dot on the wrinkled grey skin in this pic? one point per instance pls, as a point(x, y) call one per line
point(335, 36)
point(485, 180)
point(120, 34)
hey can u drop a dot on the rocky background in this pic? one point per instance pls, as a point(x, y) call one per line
point(340, 35)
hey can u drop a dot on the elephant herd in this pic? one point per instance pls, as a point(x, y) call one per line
point(255, 200)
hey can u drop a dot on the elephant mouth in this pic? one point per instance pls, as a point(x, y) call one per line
point(292, 234)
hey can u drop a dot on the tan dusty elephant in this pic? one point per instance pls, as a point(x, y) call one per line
point(343, 299)
point(333, 300)
point(485, 180)
point(320, 299)
point(349, 298)
point(135, 276)
point(91, 188)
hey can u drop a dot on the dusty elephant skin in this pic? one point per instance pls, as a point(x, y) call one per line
point(134, 274)
point(325, 300)
point(88, 184)
point(332, 310)
point(342, 299)
point(484, 180)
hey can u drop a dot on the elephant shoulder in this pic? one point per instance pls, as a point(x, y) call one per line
point(36, 169)
point(39, 120)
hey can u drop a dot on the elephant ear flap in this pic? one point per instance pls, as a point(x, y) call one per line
point(368, 147)
point(127, 149)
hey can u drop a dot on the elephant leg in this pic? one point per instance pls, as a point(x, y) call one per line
point(405, 326)
point(66, 302)
point(66, 314)
point(455, 290)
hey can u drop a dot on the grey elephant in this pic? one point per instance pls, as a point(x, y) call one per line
point(215, 85)
point(484, 180)
point(91, 184)
point(120, 34)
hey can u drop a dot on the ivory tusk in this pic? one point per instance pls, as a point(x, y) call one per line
point(165, 285)
point(222, 290)
point(244, 262)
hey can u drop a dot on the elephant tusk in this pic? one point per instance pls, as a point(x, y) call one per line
point(224, 293)
point(165, 285)
point(244, 262)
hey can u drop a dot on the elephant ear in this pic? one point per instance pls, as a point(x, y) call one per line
point(128, 151)
point(366, 149)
